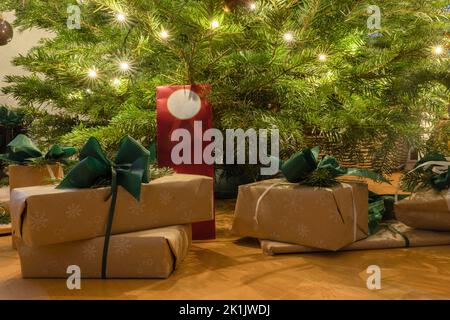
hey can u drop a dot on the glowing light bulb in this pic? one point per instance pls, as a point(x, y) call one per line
point(92, 73)
point(226, 9)
point(252, 6)
point(322, 57)
point(164, 34)
point(288, 37)
point(438, 50)
point(89, 91)
point(215, 24)
point(124, 66)
point(121, 17)
point(116, 81)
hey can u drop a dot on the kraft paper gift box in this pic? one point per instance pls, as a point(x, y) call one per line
point(425, 210)
point(393, 234)
point(28, 176)
point(326, 218)
point(46, 215)
point(144, 254)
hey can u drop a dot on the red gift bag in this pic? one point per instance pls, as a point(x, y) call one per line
point(185, 107)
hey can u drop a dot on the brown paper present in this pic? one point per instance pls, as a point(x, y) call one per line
point(45, 215)
point(28, 176)
point(144, 254)
point(393, 234)
point(327, 218)
point(428, 210)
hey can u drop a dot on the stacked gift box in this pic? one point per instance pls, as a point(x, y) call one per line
point(314, 208)
point(128, 228)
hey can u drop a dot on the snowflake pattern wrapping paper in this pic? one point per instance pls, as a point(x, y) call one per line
point(145, 254)
point(389, 236)
point(46, 215)
point(429, 210)
point(313, 217)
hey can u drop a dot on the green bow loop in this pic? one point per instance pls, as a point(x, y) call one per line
point(58, 153)
point(304, 168)
point(21, 150)
point(95, 169)
point(130, 170)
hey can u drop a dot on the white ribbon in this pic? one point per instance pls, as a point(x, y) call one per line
point(345, 185)
point(50, 172)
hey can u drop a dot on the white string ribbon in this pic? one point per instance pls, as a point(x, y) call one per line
point(345, 185)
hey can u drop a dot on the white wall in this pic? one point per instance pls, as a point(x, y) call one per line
point(21, 43)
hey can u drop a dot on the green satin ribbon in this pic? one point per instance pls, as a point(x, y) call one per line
point(303, 167)
point(58, 153)
point(129, 170)
point(21, 150)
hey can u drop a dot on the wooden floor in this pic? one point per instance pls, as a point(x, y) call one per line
point(232, 268)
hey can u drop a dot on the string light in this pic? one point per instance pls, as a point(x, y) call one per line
point(92, 73)
point(226, 9)
point(121, 17)
point(252, 6)
point(124, 66)
point(89, 91)
point(322, 57)
point(288, 37)
point(438, 50)
point(164, 34)
point(116, 81)
point(215, 24)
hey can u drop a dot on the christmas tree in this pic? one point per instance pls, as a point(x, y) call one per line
point(344, 74)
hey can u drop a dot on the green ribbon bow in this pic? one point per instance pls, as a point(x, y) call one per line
point(129, 170)
point(304, 167)
point(432, 171)
point(21, 150)
point(9, 118)
point(58, 153)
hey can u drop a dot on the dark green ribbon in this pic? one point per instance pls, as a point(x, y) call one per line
point(304, 167)
point(9, 118)
point(129, 170)
point(58, 153)
point(21, 150)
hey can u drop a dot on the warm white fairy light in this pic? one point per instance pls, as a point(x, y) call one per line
point(252, 6)
point(116, 81)
point(438, 50)
point(121, 17)
point(89, 91)
point(288, 37)
point(322, 57)
point(124, 66)
point(215, 24)
point(92, 73)
point(164, 34)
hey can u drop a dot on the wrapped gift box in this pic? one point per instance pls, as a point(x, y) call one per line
point(326, 218)
point(425, 210)
point(394, 234)
point(46, 215)
point(28, 176)
point(145, 254)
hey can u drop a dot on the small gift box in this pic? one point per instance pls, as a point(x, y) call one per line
point(145, 254)
point(29, 167)
point(326, 218)
point(311, 208)
point(429, 205)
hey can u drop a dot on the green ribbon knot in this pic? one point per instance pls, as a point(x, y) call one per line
point(130, 169)
point(21, 150)
point(305, 168)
